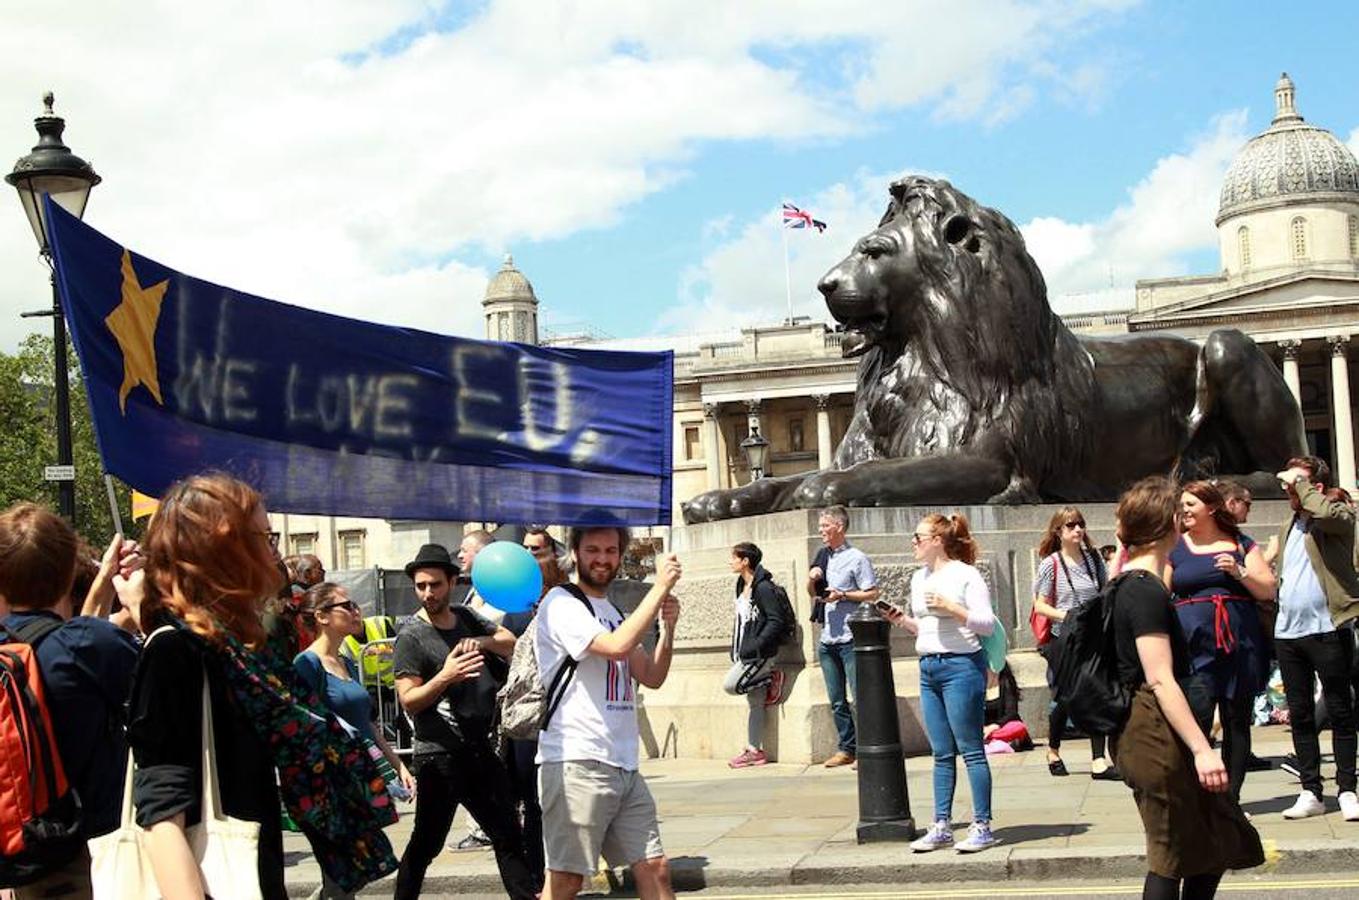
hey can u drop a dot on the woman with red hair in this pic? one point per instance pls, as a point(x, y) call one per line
point(211, 562)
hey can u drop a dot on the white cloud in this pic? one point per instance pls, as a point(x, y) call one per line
point(306, 152)
point(1167, 215)
point(741, 281)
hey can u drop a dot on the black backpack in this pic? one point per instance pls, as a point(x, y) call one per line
point(1086, 681)
point(786, 615)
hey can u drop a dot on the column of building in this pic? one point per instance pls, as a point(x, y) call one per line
point(1342, 411)
point(824, 448)
point(711, 460)
point(1291, 349)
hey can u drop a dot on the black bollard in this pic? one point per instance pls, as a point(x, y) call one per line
point(884, 803)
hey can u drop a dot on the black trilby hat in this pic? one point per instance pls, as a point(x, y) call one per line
point(432, 556)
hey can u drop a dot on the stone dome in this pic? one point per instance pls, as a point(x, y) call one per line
point(1289, 162)
point(509, 284)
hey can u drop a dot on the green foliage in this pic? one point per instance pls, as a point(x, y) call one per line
point(28, 440)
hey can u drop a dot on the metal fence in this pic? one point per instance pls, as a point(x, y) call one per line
point(390, 720)
point(384, 592)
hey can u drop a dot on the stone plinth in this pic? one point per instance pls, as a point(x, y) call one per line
point(691, 716)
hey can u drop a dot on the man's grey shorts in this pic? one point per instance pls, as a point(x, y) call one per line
point(591, 807)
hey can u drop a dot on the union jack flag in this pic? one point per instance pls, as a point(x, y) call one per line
point(800, 218)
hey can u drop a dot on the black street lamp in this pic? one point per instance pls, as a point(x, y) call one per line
point(51, 169)
point(756, 449)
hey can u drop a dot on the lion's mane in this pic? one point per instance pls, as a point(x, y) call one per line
point(971, 338)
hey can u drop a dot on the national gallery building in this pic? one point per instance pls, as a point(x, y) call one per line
point(1288, 228)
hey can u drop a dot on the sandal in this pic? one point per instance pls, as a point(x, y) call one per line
point(1058, 768)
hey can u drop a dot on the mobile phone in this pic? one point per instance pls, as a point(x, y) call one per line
point(886, 606)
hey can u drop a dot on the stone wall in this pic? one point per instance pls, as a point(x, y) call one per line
point(691, 716)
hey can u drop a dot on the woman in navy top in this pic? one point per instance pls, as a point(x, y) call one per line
point(1219, 578)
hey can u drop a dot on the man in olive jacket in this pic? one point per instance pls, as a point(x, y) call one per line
point(1314, 631)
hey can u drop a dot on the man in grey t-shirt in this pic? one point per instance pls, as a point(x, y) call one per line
point(440, 666)
point(849, 579)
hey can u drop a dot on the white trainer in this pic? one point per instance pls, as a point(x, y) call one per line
point(979, 837)
point(1308, 804)
point(1349, 806)
point(940, 834)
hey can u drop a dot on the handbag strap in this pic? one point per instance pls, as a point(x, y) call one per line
point(125, 818)
point(212, 792)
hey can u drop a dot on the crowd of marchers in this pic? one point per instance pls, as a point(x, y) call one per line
point(194, 680)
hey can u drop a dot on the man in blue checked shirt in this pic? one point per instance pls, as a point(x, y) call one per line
point(849, 579)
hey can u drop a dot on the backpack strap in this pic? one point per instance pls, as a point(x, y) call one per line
point(35, 630)
point(1052, 598)
point(561, 679)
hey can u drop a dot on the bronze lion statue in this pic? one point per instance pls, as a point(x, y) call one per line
point(971, 390)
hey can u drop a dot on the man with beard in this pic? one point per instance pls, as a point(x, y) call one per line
point(1314, 632)
point(439, 667)
point(593, 798)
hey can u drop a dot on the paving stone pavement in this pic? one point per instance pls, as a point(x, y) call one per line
point(795, 824)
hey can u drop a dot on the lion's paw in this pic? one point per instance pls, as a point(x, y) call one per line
point(821, 489)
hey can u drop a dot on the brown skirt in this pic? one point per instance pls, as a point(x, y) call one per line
point(1190, 831)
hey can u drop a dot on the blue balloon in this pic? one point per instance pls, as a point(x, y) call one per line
point(507, 576)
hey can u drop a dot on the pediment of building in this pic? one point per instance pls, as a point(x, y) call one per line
point(1299, 295)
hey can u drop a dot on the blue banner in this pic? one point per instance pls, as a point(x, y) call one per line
point(335, 416)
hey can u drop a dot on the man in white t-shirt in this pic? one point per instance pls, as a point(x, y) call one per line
point(593, 798)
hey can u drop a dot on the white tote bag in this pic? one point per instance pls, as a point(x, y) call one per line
point(227, 850)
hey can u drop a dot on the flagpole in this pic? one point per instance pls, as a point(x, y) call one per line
point(787, 274)
point(113, 504)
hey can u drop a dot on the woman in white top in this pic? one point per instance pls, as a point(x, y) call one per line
point(950, 608)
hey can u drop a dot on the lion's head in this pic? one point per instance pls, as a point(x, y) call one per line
point(939, 269)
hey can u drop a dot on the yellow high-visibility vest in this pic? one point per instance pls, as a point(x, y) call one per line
point(377, 666)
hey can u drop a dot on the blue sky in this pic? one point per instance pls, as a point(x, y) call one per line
point(377, 162)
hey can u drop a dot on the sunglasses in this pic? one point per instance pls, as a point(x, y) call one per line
point(921, 538)
point(1071, 526)
point(342, 604)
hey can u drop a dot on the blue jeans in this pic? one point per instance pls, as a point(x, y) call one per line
point(837, 667)
point(953, 700)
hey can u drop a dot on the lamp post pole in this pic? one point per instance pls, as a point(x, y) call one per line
point(52, 170)
point(62, 391)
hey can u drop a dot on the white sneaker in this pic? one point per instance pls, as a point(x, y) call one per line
point(979, 837)
point(1349, 806)
point(938, 835)
point(1307, 805)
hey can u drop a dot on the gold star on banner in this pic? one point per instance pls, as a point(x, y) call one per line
point(133, 323)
